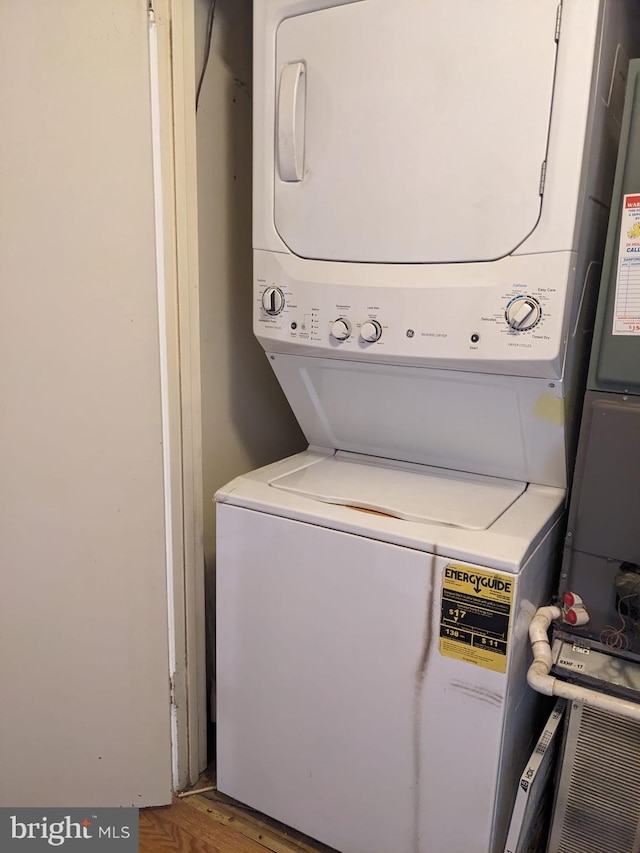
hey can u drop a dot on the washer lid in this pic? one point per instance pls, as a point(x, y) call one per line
point(402, 490)
point(412, 131)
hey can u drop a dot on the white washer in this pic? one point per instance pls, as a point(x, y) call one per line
point(431, 183)
point(369, 695)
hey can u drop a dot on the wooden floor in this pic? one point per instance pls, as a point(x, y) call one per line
point(212, 823)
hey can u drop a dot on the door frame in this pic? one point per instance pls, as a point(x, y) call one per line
point(172, 67)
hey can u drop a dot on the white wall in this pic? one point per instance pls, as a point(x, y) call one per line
point(83, 612)
point(246, 419)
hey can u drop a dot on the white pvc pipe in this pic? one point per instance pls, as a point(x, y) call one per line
point(539, 678)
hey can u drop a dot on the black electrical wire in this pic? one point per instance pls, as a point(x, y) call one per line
point(207, 49)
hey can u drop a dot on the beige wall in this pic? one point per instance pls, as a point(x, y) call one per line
point(246, 419)
point(83, 606)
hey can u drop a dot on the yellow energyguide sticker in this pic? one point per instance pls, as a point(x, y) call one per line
point(475, 616)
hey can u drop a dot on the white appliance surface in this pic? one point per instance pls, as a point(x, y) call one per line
point(358, 699)
point(494, 425)
point(505, 544)
point(338, 711)
point(442, 315)
point(430, 191)
point(432, 142)
point(409, 492)
point(457, 162)
point(377, 129)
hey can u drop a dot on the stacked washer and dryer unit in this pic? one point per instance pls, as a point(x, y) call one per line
point(431, 192)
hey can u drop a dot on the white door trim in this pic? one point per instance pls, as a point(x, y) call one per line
point(172, 64)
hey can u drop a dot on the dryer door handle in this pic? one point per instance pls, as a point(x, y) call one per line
point(290, 131)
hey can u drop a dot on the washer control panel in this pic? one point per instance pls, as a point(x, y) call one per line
point(513, 310)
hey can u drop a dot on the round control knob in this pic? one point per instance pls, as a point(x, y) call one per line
point(273, 300)
point(523, 313)
point(371, 331)
point(341, 329)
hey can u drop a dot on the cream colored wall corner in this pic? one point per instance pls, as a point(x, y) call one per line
point(246, 419)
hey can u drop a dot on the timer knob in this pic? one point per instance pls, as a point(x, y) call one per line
point(341, 329)
point(371, 331)
point(523, 313)
point(273, 300)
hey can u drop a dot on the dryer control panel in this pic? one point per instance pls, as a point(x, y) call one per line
point(507, 317)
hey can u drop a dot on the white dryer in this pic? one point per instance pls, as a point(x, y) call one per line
point(431, 190)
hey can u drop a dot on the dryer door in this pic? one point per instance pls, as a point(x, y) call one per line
point(412, 131)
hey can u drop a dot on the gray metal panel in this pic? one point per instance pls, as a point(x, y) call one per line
point(597, 807)
point(615, 359)
point(605, 509)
